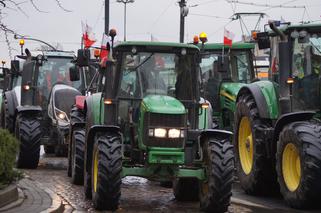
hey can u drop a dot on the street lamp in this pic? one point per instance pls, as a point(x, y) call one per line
point(125, 4)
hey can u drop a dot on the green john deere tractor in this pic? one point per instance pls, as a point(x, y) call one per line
point(224, 71)
point(149, 121)
point(278, 128)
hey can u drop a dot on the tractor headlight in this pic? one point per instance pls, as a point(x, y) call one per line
point(174, 133)
point(61, 116)
point(160, 132)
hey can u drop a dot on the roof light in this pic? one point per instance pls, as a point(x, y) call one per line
point(21, 42)
point(196, 40)
point(254, 35)
point(203, 37)
point(96, 53)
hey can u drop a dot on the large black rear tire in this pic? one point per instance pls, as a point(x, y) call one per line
point(186, 189)
point(106, 172)
point(28, 131)
point(216, 191)
point(77, 157)
point(256, 172)
point(298, 164)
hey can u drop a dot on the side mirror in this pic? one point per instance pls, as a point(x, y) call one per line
point(223, 63)
point(83, 57)
point(74, 73)
point(15, 67)
point(263, 40)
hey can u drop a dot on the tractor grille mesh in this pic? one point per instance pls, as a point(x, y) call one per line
point(152, 120)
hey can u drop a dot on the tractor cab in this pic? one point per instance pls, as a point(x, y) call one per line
point(224, 71)
point(296, 69)
point(157, 100)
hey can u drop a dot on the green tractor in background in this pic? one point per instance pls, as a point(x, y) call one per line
point(278, 127)
point(224, 71)
point(148, 121)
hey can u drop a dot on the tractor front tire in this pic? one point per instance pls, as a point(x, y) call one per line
point(186, 189)
point(298, 164)
point(106, 172)
point(215, 192)
point(28, 131)
point(77, 157)
point(256, 172)
point(76, 115)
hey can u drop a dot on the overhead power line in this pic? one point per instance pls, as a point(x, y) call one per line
point(265, 5)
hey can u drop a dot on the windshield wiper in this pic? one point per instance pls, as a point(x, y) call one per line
point(143, 62)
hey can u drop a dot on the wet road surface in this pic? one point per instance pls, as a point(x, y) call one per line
point(138, 194)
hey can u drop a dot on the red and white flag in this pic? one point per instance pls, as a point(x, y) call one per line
point(228, 37)
point(87, 35)
point(105, 48)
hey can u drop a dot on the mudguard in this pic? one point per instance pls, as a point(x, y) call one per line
point(90, 139)
point(11, 101)
point(286, 119)
point(195, 135)
point(260, 100)
point(29, 109)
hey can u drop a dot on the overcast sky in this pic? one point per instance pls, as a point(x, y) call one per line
point(159, 18)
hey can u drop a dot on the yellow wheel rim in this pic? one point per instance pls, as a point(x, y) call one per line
point(245, 145)
point(95, 170)
point(291, 167)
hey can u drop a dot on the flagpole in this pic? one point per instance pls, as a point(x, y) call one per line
point(106, 16)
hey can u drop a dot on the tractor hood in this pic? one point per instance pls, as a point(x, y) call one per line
point(163, 104)
point(230, 90)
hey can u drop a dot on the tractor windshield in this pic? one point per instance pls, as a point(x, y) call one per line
point(55, 70)
point(240, 68)
point(306, 68)
point(156, 73)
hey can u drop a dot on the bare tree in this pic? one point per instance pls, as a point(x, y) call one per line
point(17, 5)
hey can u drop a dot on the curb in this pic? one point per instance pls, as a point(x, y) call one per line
point(270, 205)
point(8, 195)
point(18, 202)
point(56, 205)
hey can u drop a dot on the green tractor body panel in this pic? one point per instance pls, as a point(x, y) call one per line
point(162, 104)
point(163, 173)
point(96, 107)
point(269, 92)
point(228, 95)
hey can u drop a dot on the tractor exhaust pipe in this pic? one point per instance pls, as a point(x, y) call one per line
point(284, 70)
point(277, 31)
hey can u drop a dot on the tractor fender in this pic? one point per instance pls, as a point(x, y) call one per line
point(90, 139)
point(286, 119)
point(216, 133)
point(30, 110)
point(11, 98)
point(259, 98)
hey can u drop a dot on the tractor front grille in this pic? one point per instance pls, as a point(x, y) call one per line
point(166, 121)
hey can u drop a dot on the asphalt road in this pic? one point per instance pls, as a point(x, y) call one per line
point(138, 194)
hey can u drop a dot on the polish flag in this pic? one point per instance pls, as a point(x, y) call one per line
point(105, 47)
point(228, 37)
point(105, 50)
point(87, 35)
